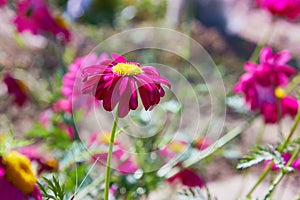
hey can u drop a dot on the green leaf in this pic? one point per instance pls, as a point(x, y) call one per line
point(52, 189)
point(260, 154)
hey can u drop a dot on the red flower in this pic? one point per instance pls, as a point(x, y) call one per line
point(284, 8)
point(34, 16)
point(117, 82)
point(188, 178)
point(17, 88)
point(260, 81)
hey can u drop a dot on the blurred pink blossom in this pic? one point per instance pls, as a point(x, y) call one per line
point(188, 178)
point(284, 8)
point(71, 85)
point(16, 88)
point(34, 16)
point(259, 82)
point(2, 2)
point(124, 162)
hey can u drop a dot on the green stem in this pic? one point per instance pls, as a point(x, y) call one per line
point(277, 180)
point(280, 149)
point(109, 156)
point(292, 131)
point(260, 179)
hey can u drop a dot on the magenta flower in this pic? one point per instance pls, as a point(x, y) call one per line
point(260, 81)
point(16, 88)
point(2, 3)
point(117, 81)
point(71, 91)
point(284, 8)
point(34, 16)
point(188, 178)
point(17, 179)
point(286, 157)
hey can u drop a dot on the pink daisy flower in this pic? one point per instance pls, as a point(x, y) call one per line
point(16, 88)
point(285, 8)
point(17, 179)
point(71, 91)
point(261, 81)
point(34, 16)
point(117, 81)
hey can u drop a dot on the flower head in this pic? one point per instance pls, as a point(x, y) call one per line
point(34, 16)
point(261, 82)
point(285, 8)
point(117, 81)
point(17, 178)
point(17, 88)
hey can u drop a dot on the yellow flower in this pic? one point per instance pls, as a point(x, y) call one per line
point(19, 172)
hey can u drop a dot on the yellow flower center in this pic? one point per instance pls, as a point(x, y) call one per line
point(61, 22)
point(105, 137)
point(52, 163)
point(127, 69)
point(177, 147)
point(22, 86)
point(280, 93)
point(19, 171)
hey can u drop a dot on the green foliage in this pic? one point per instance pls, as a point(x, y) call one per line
point(194, 194)
point(260, 154)
point(52, 189)
point(8, 142)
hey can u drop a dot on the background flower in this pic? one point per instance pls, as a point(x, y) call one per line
point(17, 179)
point(16, 88)
point(260, 81)
point(284, 8)
point(34, 16)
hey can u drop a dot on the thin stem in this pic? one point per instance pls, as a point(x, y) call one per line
point(260, 179)
point(277, 180)
point(292, 131)
point(111, 144)
point(280, 149)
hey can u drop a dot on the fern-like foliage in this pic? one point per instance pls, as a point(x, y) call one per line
point(52, 190)
point(260, 154)
point(194, 194)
